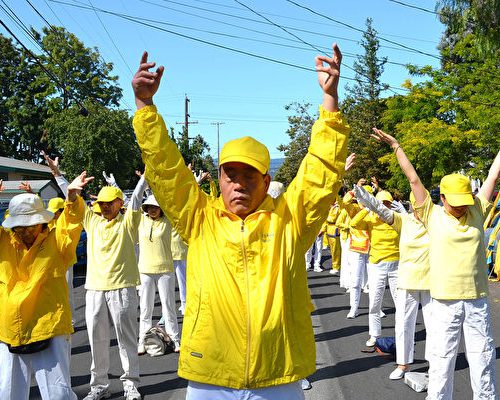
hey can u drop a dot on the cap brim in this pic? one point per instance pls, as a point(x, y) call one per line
point(106, 199)
point(41, 217)
point(245, 160)
point(458, 200)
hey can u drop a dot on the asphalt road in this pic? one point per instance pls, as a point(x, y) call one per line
point(343, 371)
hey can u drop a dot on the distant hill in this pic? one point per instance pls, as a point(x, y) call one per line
point(275, 165)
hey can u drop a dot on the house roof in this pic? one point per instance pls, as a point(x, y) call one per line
point(11, 164)
point(36, 185)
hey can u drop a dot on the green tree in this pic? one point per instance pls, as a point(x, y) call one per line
point(363, 108)
point(299, 133)
point(30, 95)
point(102, 141)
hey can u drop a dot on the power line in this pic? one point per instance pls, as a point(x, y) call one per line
point(383, 86)
point(360, 30)
point(110, 38)
point(415, 7)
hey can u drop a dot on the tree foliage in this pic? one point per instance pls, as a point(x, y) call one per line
point(299, 133)
point(102, 141)
point(363, 108)
point(30, 96)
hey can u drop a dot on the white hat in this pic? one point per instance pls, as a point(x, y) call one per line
point(275, 189)
point(27, 209)
point(150, 201)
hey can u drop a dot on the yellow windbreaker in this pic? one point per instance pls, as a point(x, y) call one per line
point(33, 288)
point(247, 322)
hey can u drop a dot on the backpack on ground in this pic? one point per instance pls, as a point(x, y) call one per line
point(157, 342)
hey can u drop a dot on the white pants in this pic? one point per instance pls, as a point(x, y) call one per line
point(450, 319)
point(357, 266)
point(69, 279)
point(180, 272)
point(345, 277)
point(121, 306)
point(51, 368)
point(378, 274)
point(201, 391)
point(166, 290)
point(317, 247)
point(407, 302)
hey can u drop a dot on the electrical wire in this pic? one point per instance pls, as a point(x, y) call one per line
point(415, 7)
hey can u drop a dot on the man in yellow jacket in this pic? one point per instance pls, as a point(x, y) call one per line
point(35, 322)
point(247, 326)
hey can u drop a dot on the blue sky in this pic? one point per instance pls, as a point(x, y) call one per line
point(246, 94)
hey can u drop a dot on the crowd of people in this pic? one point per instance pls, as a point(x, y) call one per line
point(241, 262)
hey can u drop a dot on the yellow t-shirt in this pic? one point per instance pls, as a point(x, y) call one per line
point(111, 261)
point(457, 257)
point(155, 255)
point(384, 240)
point(179, 248)
point(413, 268)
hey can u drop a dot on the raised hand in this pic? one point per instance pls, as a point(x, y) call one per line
point(349, 162)
point(381, 136)
point(2, 186)
point(75, 187)
point(26, 187)
point(110, 179)
point(52, 163)
point(146, 83)
point(328, 77)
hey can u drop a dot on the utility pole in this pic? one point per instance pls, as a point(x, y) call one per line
point(186, 117)
point(218, 137)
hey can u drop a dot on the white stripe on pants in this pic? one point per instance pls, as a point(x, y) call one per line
point(202, 391)
point(180, 272)
point(121, 305)
point(407, 302)
point(51, 368)
point(345, 271)
point(377, 278)
point(357, 266)
point(450, 318)
point(318, 247)
point(166, 290)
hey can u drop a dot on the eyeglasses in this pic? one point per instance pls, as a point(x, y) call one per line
point(24, 229)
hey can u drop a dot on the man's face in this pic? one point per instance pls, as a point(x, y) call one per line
point(110, 209)
point(242, 187)
point(456, 211)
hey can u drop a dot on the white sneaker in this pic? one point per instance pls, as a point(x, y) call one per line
point(334, 272)
point(131, 393)
point(371, 342)
point(352, 314)
point(141, 350)
point(318, 269)
point(97, 393)
point(382, 314)
point(306, 385)
point(398, 373)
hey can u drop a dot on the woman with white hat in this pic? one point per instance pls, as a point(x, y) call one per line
point(458, 277)
point(156, 269)
point(35, 322)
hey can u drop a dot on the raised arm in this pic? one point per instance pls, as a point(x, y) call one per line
point(486, 190)
point(53, 164)
point(416, 185)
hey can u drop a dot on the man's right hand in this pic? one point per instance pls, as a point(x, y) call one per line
point(145, 83)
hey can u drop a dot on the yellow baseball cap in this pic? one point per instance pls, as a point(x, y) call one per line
point(55, 204)
point(246, 150)
point(457, 190)
point(109, 193)
point(384, 195)
point(368, 188)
